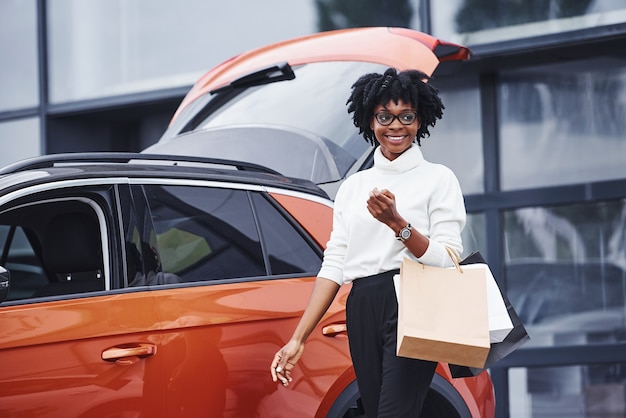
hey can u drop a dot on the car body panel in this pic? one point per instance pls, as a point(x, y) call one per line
point(236, 326)
point(239, 326)
point(478, 396)
point(318, 215)
point(52, 354)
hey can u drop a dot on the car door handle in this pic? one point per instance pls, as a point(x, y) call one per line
point(128, 353)
point(334, 329)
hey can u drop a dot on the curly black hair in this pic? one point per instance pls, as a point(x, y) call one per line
point(410, 86)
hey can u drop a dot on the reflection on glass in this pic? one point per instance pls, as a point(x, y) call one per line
point(456, 140)
point(111, 47)
point(18, 48)
point(339, 14)
point(473, 22)
point(566, 272)
point(205, 233)
point(19, 139)
point(580, 391)
point(287, 251)
point(317, 104)
point(563, 124)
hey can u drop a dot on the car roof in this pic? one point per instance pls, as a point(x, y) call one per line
point(400, 48)
point(56, 167)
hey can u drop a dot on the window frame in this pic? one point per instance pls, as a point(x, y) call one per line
point(98, 198)
point(142, 200)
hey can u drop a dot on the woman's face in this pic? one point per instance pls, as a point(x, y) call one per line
point(397, 136)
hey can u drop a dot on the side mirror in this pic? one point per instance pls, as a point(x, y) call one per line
point(5, 280)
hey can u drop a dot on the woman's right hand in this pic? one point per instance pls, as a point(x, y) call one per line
point(285, 360)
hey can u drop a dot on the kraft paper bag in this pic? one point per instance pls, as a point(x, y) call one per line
point(514, 339)
point(443, 314)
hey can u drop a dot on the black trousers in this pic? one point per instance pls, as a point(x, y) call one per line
point(390, 386)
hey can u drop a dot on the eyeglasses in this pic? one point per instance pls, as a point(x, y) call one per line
point(386, 118)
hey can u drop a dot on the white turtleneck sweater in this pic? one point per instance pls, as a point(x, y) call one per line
point(427, 195)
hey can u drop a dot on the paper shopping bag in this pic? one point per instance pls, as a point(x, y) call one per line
point(442, 314)
point(500, 323)
point(514, 339)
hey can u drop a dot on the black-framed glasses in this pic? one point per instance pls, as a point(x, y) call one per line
point(386, 118)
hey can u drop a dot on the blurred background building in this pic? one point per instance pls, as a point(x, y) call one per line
point(535, 130)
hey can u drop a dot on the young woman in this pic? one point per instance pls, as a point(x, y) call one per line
point(404, 206)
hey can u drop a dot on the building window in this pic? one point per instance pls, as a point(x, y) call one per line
point(456, 140)
point(472, 22)
point(19, 83)
point(566, 272)
point(474, 234)
point(114, 47)
point(580, 391)
point(563, 124)
point(19, 139)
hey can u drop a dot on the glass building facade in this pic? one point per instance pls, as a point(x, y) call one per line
point(534, 129)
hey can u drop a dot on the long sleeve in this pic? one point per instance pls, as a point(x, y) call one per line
point(427, 195)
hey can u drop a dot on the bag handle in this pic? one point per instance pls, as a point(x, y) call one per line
point(455, 257)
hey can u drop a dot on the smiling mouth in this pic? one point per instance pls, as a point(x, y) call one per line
point(396, 138)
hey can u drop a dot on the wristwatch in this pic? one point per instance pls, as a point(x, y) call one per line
point(405, 233)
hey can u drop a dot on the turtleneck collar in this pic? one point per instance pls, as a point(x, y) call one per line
point(408, 160)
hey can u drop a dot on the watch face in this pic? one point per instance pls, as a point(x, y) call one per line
point(405, 233)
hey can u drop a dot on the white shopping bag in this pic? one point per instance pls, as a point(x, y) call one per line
point(500, 323)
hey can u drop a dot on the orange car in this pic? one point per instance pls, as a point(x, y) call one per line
point(148, 286)
point(142, 285)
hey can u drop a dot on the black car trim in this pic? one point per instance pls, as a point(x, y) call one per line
point(349, 398)
point(210, 103)
point(450, 394)
point(279, 72)
point(346, 401)
point(262, 240)
point(211, 282)
point(50, 160)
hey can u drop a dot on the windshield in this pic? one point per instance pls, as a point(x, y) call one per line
point(313, 104)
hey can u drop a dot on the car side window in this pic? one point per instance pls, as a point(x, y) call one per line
point(204, 233)
point(52, 248)
point(289, 251)
point(20, 258)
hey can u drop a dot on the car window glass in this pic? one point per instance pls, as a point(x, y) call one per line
point(52, 248)
point(288, 250)
point(204, 233)
point(315, 121)
point(317, 103)
point(18, 256)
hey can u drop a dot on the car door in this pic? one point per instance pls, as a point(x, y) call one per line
point(244, 274)
point(73, 341)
